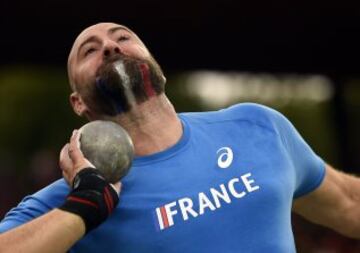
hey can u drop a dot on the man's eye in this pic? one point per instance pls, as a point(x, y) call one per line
point(89, 51)
point(123, 38)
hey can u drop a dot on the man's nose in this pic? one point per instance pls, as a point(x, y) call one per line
point(111, 48)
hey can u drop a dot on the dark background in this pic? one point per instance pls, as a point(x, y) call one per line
point(281, 36)
point(276, 37)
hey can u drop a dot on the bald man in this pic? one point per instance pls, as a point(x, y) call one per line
point(223, 181)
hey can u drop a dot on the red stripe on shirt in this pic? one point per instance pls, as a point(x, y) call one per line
point(164, 217)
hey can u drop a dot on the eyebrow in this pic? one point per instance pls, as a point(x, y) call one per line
point(116, 28)
point(95, 39)
point(88, 40)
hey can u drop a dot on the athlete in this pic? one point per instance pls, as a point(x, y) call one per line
point(222, 181)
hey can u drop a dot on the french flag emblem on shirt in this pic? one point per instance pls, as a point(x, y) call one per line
point(162, 217)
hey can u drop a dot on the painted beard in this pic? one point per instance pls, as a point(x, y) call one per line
point(122, 82)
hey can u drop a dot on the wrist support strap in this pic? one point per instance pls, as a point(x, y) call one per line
point(92, 198)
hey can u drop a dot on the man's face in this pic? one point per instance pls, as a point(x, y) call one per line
point(102, 58)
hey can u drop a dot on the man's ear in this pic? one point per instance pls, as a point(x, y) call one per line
point(78, 104)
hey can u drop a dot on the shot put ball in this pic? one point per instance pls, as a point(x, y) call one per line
point(108, 147)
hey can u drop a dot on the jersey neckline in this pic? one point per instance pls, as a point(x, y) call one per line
point(169, 152)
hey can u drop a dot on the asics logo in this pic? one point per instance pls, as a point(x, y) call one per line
point(225, 158)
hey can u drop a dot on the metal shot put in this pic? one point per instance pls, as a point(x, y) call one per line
point(108, 147)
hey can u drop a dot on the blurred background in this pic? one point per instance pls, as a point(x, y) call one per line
point(299, 57)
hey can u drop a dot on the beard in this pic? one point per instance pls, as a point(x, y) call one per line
point(121, 83)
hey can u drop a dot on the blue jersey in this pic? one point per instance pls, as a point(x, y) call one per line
point(226, 186)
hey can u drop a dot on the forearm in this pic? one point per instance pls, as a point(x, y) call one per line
point(53, 232)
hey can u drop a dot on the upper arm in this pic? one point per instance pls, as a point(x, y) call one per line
point(322, 194)
point(332, 204)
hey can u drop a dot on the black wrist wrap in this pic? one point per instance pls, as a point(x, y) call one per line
point(92, 198)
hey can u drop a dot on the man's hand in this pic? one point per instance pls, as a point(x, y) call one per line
point(92, 197)
point(73, 161)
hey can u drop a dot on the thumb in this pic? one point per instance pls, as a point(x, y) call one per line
point(75, 153)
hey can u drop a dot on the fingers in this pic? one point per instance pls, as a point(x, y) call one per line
point(75, 153)
point(65, 163)
point(64, 159)
point(71, 159)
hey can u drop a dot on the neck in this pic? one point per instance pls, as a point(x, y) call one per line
point(153, 125)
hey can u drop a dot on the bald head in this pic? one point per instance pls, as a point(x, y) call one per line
point(92, 38)
point(111, 71)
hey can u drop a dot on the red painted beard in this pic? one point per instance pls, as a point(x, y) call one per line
point(122, 82)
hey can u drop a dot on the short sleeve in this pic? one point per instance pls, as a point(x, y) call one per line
point(29, 208)
point(309, 167)
point(35, 205)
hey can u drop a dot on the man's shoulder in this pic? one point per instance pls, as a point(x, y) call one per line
point(250, 112)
